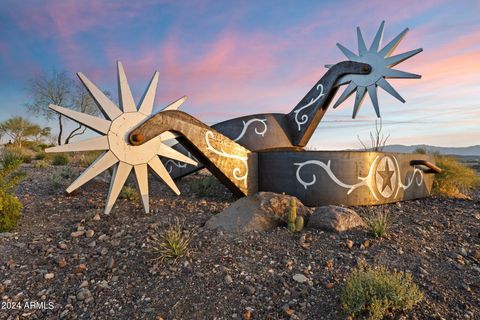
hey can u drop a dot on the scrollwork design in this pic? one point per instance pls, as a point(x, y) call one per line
point(364, 181)
point(248, 123)
point(304, 118)
point(236, 171)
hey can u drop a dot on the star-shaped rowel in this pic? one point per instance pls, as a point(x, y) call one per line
point(386, 175)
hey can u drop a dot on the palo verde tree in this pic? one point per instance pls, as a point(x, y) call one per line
point(19, 129)
point(60, 89)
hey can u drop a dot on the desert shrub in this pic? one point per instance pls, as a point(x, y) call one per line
point(172, 243)
point(204, 187)
point(377, 292)
point(40, 164)
point(129, 193)
point(41, 155)
point(67, 173)
point(57, 182)
point(378, 224)
point(11, 157)
point(420, 150)
point(10, 206)
point(58, 179)
point(60, 159)
point(456, 179)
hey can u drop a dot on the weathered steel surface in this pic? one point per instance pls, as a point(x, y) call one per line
point(343, 177)
point(233, 164)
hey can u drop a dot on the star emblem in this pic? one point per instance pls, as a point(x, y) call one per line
point(386, 175)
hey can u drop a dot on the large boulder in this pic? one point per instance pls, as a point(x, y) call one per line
point(259, 212)
point(335, 218)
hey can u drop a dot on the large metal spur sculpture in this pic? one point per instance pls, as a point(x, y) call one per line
point(262, 152)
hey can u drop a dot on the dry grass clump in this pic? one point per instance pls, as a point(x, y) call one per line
point(129, 193)
point(456, 180)
point(377, 292)
point(378, 224)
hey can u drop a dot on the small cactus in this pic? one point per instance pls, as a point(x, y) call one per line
point(295, 224)
point(299, 224)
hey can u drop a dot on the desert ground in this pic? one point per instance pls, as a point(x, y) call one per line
point(84, 265)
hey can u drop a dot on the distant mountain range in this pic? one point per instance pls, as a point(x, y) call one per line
point(461, 151)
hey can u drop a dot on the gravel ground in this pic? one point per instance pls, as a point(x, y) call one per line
point(67, 260)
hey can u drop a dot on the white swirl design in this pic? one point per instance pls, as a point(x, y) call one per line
point(364, 181)
point(178, 164)
point(236, 171)
point(304, 117)
point(248, 123)
point(412, 178)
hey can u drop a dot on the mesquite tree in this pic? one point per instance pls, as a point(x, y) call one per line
point(58, 88)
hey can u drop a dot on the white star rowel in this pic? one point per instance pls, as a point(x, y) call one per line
point(114, 130)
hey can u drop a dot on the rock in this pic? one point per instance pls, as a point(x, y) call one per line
point(62, 263)
point(96, 217)
point(49, 275)
point(2, 288)
point(62, 245)
point(476, 255)
point(259, 212)
point(77, 234)
point(90, 233)
point(110, 263)
point(92, 244)
point(228, 279)
point(247, 314)
point(349, 243)
point(83, 294)
point(103, 284)
point(80, 268)
point(463, 252)
point(300, 278)
point(365, 244)
point(334, 218)
point(330, 285)
point(84, 284)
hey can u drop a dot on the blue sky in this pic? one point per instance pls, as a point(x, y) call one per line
point(233, 58)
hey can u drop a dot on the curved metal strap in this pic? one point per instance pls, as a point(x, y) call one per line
point(431, 167)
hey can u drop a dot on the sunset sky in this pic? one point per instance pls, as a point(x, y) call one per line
point(233, 58)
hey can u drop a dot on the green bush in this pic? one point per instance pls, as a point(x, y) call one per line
point(60, 159)
point(378, 224)
point(129, 193)
point(10, 206)
point(456, 179)
point(204, 187)
point(377, 292)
